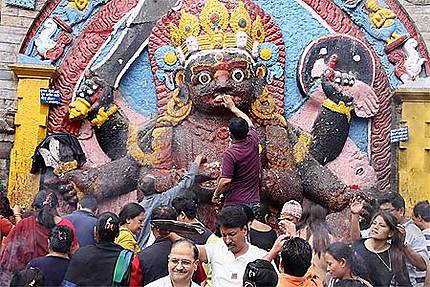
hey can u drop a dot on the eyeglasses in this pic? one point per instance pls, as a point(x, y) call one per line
point(184, 262)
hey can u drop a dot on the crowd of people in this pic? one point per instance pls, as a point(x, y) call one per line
point(159, 241)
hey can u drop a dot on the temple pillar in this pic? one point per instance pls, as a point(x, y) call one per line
point(413, 155)
point(30, 128)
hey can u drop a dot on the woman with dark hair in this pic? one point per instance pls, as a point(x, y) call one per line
point(29, 238)
point(260, 234)
point(341, 264)
point(314, 229)
point(103, 264)
point(131, 219)
point(383, 253)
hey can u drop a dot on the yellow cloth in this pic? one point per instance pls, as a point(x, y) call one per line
point(127, 240)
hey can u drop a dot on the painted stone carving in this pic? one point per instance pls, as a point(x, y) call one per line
point(332, 104)
point(197, 54)
point(408, 62)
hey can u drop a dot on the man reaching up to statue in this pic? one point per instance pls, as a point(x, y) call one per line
point(240, 176)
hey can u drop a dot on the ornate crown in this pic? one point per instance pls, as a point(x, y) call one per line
point(215, 28)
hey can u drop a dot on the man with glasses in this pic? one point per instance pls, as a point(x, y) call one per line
point(182, 264)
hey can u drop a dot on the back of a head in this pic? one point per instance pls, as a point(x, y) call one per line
point(185, 205)
point(130, 211)
point(261, 212)
point(146, 184)
point(232, 216)
point(60, 239)
point(249, 213)
point(422, 209)
point(107, 227)
point(260, 273)
point(349, 283)
point(46, 203)
point(29, 277)
point(238, 128)
point(394, 198)
point(88, 202)
point(296, 256)
point(164, 212)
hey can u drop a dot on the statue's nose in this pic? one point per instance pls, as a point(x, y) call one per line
point(221, 76)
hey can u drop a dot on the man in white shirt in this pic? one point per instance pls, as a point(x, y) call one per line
point(229, 257)
point(183, 259)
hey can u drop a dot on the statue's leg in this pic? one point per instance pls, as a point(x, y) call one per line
point(322, 186)
point(108, 180)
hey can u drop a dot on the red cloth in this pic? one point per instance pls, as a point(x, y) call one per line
point(26, 241)
point(5, 227)
point(136, 275)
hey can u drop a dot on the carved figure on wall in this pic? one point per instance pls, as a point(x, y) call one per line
point(207, 49)
point(381, 23)
point(336, 74)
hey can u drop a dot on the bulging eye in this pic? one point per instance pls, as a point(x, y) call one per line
point(204, 78)
point(238, 75)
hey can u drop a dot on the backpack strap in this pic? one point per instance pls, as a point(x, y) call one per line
point(122, 267)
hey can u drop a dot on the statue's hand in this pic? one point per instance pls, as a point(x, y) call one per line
point(79, 109)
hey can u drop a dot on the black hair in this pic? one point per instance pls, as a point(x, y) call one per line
point(185, 205)
point(394, 198)
point(146, 183)
point(249, 213)
point(296, 256)
point(107, 227)
point(190, 244)
point(422, 209)
point(238, 128)
point(88, 202)
point(29, 277)
point(60, 239)
point(349, 283)
point(130, 211)
point(261, 212)
point(5, 209)
point(232, 216)
point(396, 250)
point(342, 251)
point(164, 212)
point(46, 204)
point(260, 273)
point(314, 222)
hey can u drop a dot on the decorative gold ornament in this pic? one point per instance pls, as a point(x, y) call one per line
point(177, 110)
point(240, 19)
point(211, 29)
point(258, 32)
point(340, 108)
point(264, 108)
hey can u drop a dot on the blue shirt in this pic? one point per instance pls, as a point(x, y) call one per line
point(54, 268)
point(84, 222)
point(165, 198)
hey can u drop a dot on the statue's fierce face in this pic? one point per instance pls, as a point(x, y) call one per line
point(209, 74)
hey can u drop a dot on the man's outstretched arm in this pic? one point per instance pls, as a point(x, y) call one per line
point(227, 102)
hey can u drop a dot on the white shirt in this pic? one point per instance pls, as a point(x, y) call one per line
point(166, 282)
point(226, 269)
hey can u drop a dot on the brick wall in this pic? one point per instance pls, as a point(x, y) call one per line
point(420, 14)
point(14, 23)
